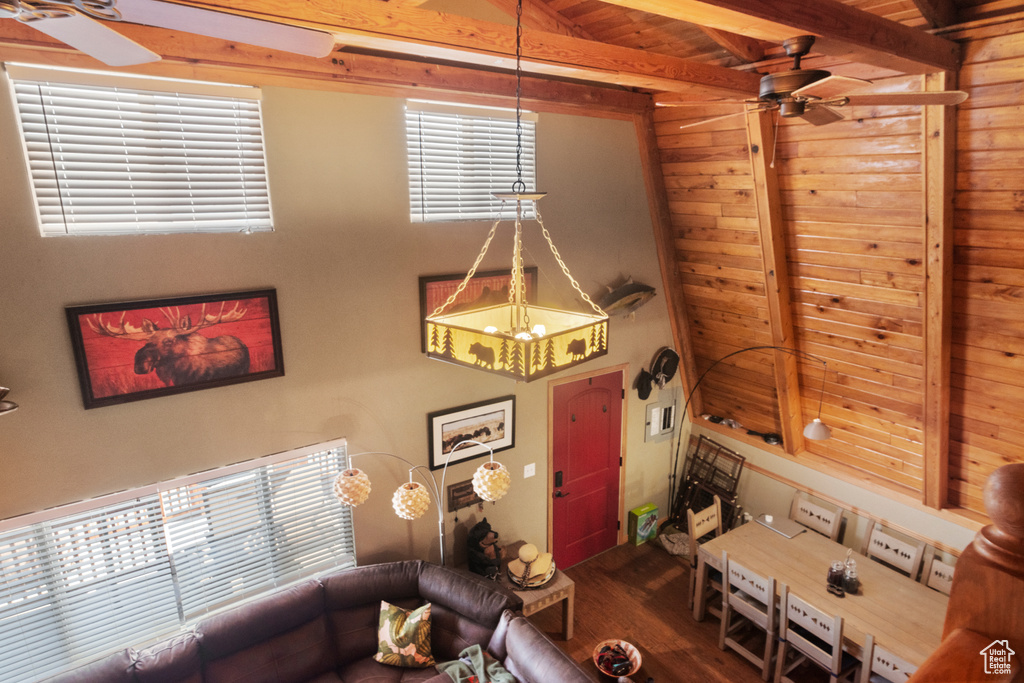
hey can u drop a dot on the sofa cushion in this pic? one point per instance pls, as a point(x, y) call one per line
point(281, 638)
point(467, 608)
point(404, 636)
point(175, 660)
point(117, 668)
point(353, 598)
point(533, 658)
point(369, 671)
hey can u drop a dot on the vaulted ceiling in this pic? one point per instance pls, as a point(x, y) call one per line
point(700, 47)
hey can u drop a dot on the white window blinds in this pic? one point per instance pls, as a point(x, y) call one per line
point(112, 154)
point(78, 585)
point(459, 156)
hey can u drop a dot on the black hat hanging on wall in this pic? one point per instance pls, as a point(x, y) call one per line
point(663, 369)
point(664, 366)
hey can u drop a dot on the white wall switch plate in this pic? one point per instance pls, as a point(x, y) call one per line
point(529, 470)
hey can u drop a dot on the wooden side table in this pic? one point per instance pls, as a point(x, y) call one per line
point(559, 589)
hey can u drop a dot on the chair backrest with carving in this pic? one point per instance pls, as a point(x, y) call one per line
point(749, 593)
point(895, 552)
point(824, 520)
point(878, 660)
point(700, 524)
point(937, 575)
point(806, 628)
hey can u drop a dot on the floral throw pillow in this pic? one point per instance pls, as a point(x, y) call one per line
point(404, 636)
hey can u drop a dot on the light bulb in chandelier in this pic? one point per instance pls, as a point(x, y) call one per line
point(352, 487)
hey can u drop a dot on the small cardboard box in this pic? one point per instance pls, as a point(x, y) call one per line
point(643, 523)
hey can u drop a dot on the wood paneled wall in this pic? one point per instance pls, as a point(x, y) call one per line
point(710, 190)
point(852, 199)
point(987, 374)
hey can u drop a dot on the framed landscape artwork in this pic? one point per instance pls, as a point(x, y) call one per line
point(489, 422)
point(487, 288)
point(129, 351)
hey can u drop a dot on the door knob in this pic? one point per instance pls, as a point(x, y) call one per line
point(560, 494)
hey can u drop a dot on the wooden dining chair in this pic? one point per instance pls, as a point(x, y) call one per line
point(901, 555)
point(706, 522)
point(882, 666)
point(825, 519)
point(810, 635)
point(937, 575)
point(748, 600)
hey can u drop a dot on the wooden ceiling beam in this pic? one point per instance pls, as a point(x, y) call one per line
point(747, 50)
point(372, 25)
point(937, 13)
point(540, 17)
point(196, 57)
point(841, 30)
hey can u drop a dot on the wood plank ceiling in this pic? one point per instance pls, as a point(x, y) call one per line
point(888, 244)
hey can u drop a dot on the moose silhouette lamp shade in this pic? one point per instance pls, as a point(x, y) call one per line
point(129, 351)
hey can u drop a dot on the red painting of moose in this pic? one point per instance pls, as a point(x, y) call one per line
point(137, 350)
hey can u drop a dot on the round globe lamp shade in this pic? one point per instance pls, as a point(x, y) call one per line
point(352, 487)
point(411, 500)
point(491, 481)
point(816, 430)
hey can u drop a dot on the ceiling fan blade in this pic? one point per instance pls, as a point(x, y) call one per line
point(94, 39)
point(831, 86)
point(295, 39)
point(821, 115)
point(675, 99)
point(945, 98)
point(712, 119)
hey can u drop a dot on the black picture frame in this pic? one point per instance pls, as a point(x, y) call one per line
point(134, 350)
point(491, 422)
point(435, 289)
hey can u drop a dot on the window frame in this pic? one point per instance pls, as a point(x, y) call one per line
point(126, 154)
point(453, 178)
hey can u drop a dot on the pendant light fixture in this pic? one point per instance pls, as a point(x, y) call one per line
point(516, 339)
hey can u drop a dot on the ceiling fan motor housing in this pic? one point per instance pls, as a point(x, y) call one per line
point(779, 85)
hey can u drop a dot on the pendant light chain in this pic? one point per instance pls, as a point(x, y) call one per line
point(565, 268)
point(472, 271)
point(519, 185)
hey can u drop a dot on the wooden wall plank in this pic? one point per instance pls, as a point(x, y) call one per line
point(939, 144)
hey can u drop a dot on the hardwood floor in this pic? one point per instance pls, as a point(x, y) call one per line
point(638, 594)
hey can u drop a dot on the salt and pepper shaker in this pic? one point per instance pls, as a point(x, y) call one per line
point(851, 584)
point(835, 578)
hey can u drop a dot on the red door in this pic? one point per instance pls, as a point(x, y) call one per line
point(586, 457)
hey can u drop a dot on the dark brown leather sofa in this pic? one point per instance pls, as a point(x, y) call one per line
point(325, 631)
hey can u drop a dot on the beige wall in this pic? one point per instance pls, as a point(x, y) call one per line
point(345, 260)
point(760, 494)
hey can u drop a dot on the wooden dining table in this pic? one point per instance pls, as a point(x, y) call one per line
point(904, 616)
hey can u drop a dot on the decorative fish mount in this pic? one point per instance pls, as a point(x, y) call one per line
point(626, 298)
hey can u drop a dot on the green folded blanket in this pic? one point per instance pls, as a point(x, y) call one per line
point(476, 666)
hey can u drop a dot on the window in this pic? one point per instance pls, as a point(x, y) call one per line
point(85, 580)
point(460, 156)
point(113, 154)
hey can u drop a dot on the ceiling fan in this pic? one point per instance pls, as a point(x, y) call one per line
point(74, 22)
point(811, 94)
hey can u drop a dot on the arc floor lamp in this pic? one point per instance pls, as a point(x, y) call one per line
point(815, 430)
point(491, 481)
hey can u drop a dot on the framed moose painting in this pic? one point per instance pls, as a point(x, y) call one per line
point(133, 350)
